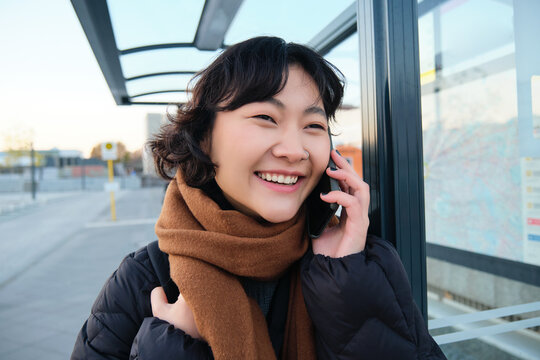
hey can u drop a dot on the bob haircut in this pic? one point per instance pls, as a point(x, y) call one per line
point(251, 71)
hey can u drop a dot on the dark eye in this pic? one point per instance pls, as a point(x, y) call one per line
point(264, 117)
point(316, 126)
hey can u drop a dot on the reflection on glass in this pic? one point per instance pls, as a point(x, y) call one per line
point(478, 59)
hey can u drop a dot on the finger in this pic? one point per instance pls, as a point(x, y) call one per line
point(341, 198)
point(157, 299)
point(342, 184)
point(352, 180)
point(353, 207)
point(344, 187)
point(340, 161)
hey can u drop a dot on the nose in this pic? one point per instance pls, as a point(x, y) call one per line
point(290, 147)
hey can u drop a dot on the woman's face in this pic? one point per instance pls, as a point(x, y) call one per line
point(260, 149)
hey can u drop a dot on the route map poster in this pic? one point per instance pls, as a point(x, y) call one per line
point(531, 209)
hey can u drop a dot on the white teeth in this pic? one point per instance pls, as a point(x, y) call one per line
point(278, 178)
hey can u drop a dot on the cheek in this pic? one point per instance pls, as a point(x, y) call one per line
point(223, 146)
point(322, 164)
point(234, 155)
point(321, 156)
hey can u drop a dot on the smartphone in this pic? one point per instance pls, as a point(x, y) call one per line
point(320, 212)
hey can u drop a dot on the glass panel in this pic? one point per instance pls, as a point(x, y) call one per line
point(479, 61)
point(348, 127)
point(162, 60)
point(345, 58)
point(297, 21)
point(140, 22)
point(155, 83)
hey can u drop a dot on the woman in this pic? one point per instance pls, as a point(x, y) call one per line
point(235, 275)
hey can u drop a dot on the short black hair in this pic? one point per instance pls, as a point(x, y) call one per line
point(251, 71)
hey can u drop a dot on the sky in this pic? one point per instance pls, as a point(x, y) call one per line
point(52, 91)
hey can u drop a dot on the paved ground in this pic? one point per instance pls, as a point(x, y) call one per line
point(55, 257)
point(15, 202)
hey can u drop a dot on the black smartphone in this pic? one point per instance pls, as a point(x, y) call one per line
point(320, 212)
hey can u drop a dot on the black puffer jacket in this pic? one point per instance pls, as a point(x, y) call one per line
point(361, 306)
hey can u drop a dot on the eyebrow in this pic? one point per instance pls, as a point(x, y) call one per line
point(309, 110)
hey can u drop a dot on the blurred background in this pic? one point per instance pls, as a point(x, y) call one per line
point(84, 85)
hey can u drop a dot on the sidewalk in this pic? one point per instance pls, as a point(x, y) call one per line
point(34, 230)
point(74, 248)
point(16, 202)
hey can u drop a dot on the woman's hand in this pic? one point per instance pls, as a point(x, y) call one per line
point(349, 236)
point(178, 314)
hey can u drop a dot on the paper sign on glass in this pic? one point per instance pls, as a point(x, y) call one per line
point(535, 100)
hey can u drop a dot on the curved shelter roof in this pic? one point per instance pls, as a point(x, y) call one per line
point(149, 50)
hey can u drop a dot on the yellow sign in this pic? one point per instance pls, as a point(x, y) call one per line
point(109, 151)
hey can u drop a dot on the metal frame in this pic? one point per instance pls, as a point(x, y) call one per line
point(159, 92)
point(215, 20)
point(339, 29)
point(513, 270)
point(95, 19)
point(155, 47)
point(96, 22)
point(392, 131)
point(161, 74)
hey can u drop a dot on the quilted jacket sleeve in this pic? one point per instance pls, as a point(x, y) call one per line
point(362, 307)
point(157, 339)
point(121, 321)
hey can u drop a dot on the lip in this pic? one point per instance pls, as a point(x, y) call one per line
point(279, 187)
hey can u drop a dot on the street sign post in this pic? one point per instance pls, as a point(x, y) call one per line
point(109, 152)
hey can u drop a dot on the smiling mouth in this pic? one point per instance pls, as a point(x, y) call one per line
point(278, 178)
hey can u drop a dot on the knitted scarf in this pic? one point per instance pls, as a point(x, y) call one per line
point(208, 248)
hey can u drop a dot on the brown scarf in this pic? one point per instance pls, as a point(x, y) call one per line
point(208, 248)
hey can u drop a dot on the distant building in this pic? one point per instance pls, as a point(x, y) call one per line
point(51, 164)
point(61, 158)
point(153, 124)
point(46, 158)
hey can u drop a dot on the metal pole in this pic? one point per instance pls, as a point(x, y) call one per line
point(392, 131)
point(33, 171)
point(83, 175)
point(111, 179)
